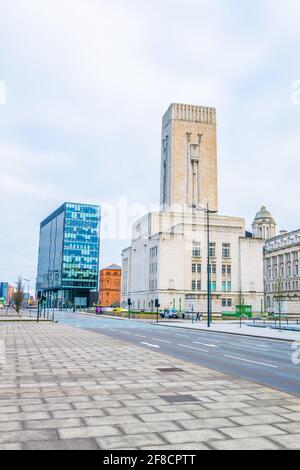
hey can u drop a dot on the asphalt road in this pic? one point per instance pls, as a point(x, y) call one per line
point(268, 362)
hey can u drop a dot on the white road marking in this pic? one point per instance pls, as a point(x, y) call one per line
point(255, 344)
point(124, 333)
point(190, 347)
point(140, 336)
point(242, 345)
point(151, 345)
point(252, 362)
point(161, 340)
point(207, 345)
point(182, 336)
point(253, 348)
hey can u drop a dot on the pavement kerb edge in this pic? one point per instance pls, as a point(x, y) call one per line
point(227, 333)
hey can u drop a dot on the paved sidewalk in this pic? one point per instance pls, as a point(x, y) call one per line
point(22, 319)
point(25, 315)
point(63, 388)
point(234, 328)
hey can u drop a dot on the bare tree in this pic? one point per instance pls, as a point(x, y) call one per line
point(18, 296)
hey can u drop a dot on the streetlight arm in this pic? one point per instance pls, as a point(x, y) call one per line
point(202, 209)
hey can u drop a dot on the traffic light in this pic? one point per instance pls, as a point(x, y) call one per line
point(157, 304)
point(39, 295)
point(129, 303)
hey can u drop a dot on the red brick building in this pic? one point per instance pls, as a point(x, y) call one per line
point(110, 286)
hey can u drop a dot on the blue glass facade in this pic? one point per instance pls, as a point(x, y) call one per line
point(68, 263)
point(4, 291)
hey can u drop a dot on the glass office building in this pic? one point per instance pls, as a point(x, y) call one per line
point(4, 292)
point(68, 263)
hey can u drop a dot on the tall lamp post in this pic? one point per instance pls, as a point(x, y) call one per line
point(208, 212)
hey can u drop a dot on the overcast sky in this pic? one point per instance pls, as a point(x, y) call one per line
point(87, 82)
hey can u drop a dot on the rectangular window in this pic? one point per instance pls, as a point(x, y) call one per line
point(224, 303)
point(193, 268)
point(198, 268)
point(198, 285)
point(196, 250)
point(212, 250)
point(213, 268)
point(213, 286)
point(226, 250)
point(193, 285)
point(226, 286)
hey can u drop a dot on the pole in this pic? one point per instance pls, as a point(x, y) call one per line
point(280, 322)
point(209, 303)
point(208, 272)
point(129, 305)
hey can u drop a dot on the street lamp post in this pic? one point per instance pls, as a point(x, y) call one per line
point(208, 212)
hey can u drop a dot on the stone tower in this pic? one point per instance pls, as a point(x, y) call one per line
point(264, 226)
point(189, 157)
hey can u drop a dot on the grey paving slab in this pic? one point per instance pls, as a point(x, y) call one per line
point(53, 423)
point(134, 441)
point(209, 423)
point(66, 444)
point(258, 419)
point(291, 416)
point(290, 441)
point(261, 443)
point(63, 388)
point(262, 430)
point(183, 437)
point(190, 446)
point(88, 431)
point(13, 446)
point(27, 436)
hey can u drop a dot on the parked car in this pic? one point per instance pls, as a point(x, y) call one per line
point(170, 314)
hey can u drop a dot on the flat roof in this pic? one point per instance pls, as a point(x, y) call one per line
point(61, 209)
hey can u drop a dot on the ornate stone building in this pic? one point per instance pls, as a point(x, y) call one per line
point(264, 226)
point(281, 265)
point(167, 259)
point(282, 276)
